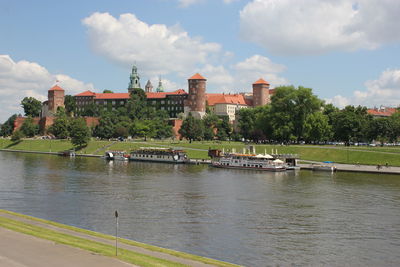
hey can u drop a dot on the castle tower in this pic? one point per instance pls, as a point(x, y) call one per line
point(149, 87)
point(261, 93)
point(55, 98)
point(134, 79)
point(196, 101)
point(160, 87)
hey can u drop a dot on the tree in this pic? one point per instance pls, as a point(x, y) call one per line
point(317, 128)
point(79, 132)
point(29, 128)
point(106, 127)
point(137, 104)
point(8, 126)
point(351, 124)
point(394, 130)
point(289, 108)
point(91, 110)
point(142, 129)
point(107, 91)
point(192, 128)
point(70, 104)
point(224, 128)
point(210, 122)
point(16, 136)
point(246, 121)
point(263, 122)
point(121, 129)
point(31, 106)
point(60, 128)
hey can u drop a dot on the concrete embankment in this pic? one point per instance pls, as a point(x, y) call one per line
point(49, 153)
point(357, 168)
point(22, 235)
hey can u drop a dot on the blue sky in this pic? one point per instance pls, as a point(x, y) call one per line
point(346, 50)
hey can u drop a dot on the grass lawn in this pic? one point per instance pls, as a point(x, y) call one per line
point(104, 249)
point(198, 150)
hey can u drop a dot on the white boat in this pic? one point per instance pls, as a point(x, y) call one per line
point(248, 162)
point(116, 155)
point(159, 154)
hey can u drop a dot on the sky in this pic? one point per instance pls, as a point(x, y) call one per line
point(347, 51)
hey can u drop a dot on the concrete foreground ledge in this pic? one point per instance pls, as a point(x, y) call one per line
point(22, 249)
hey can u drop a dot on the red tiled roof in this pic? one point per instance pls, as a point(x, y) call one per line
point(112, 96)
point(86, 93)
point(56, 88)
point(261, 81)
point(213, 99)
point(197, 76)
point(383, 112)
point(126, 95)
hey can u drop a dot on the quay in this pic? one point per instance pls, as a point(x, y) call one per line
point(356, 168)
point(305, 165)
point(30, 241)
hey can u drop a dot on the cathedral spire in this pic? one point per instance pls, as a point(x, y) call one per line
point(149, 87)
point(134, 79)
point(160, 87)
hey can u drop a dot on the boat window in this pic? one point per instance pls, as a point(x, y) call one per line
point(244, 165)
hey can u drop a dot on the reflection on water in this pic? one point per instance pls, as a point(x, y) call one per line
point(246, 217)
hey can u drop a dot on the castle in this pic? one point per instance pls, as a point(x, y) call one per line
point(195, 101)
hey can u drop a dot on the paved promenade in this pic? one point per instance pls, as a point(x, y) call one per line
point(20, 250)
point(357, 168)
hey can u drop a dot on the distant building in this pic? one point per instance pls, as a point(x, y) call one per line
point(134, 80)
point(55, 99)
point(195, 103)
point(226, 104)
point(381, 112)
point(149, 87)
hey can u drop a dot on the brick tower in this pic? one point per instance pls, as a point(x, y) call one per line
point(260, 93)
point(55, 98)
point(196, 101)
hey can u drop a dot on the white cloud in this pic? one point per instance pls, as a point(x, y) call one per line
point(255, 67)
point(318, 26)
point(186, 3)
point(383, 91)
point(240, 76)
point(338, 101)
point(156, 49)
point(28, 79)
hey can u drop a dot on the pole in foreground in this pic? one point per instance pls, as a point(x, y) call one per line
point(116, 233)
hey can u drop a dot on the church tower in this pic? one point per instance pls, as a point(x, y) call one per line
point(134, 79)
point(160, 87)
point(149, 87)
point(196, 101)
point(261, 93)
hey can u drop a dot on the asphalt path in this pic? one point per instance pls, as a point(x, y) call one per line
point(140, 250)
point(20, 250)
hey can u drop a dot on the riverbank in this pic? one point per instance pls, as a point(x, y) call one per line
point(198, 150)
point(128, 251)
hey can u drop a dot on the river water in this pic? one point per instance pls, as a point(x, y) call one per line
point(245, 217)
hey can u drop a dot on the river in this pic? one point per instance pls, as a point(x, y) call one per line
point(245, 217)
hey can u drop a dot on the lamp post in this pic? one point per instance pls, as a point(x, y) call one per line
point(116, 233)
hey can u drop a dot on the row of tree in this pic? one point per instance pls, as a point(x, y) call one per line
point(295, 114)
